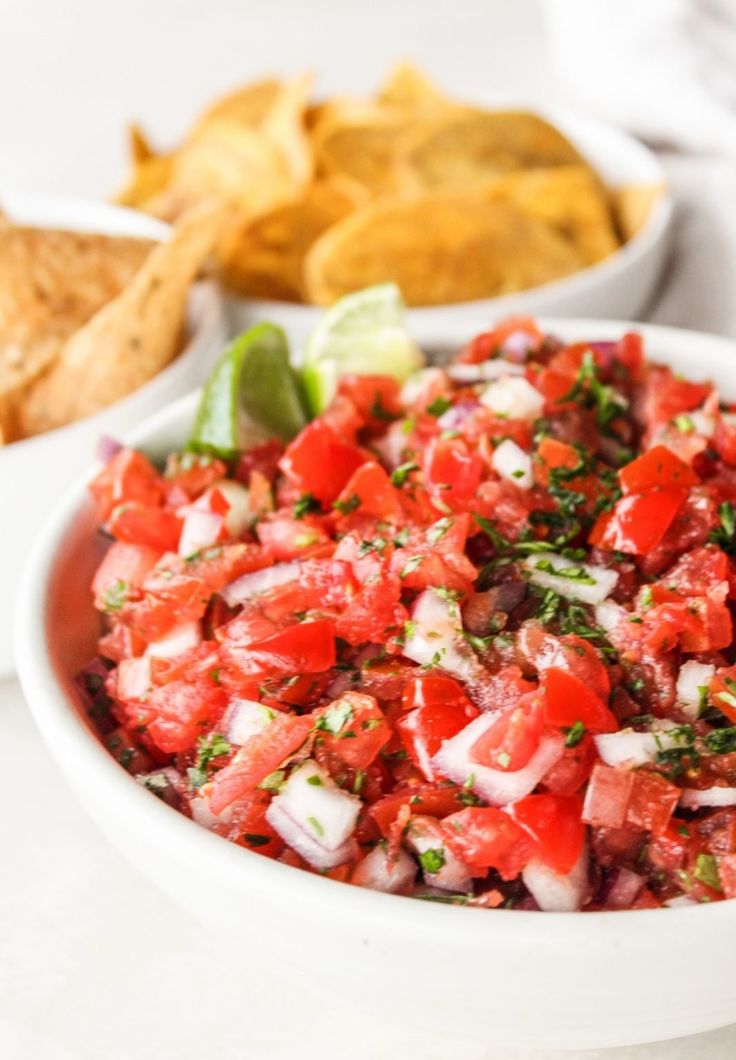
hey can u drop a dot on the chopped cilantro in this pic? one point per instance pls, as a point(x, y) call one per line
point(208, 747)
point(721, 741)
point(575, 734)
point(273, 781)
point(438, 406)
point(115, 596)
point(347, 506)
point(432, 860)
point(725, 535)
point(335, 718)
point(316, 826)
point(306, 504)
point(400, 474)
point(438, 530)
point(410, 566)
point(706, 870)
point(315, 781)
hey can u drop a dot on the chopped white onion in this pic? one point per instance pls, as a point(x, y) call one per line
point(437, 637)
point(180, 639)
point(513, 396)
point(199, 807)
point(134, 678)
point(625, 889)
point(314, 816)
point(500, 787)
point(200, 530)
point(703, 424)
point(636, 748)
point(608, 615)
point(422, 385)
point(259, 581)
point(240, 515)
point(485, 370)
point(716, 796)
point(162, 782)
point(679, 901)
point(454, 874)
point(393, 874)
point(244, 718)
point(693, 677)
point(591, 586)
point(511, 462)
point(554, 892)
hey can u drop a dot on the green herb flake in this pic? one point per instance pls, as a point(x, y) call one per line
point(347, 506)
point(335, 718)
point(410, 566)
point(306, 504)
point(315, 781)
point(438, 406)
point(706, 870)
point(115, 597)
point(319, 830)
point(438, 530)
point(273, 781)
point(432, 860)
point(400, 474)
point(575, 734)
point(208, 748)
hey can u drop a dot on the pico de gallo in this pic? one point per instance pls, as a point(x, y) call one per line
point(467, 638)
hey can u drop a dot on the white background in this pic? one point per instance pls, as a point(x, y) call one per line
point(94, 963)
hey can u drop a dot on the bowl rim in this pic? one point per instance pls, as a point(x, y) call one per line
point(205, 305)
point(654, 229)
point(72, 741)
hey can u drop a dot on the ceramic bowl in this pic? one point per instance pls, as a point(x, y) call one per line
point(505, 977)
point(34, 472)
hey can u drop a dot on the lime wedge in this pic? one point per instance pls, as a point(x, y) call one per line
point(362, 334)
point(252, 394)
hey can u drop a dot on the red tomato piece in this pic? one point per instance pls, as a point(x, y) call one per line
point(288, 538)
point(122, 564)
point(437, 710)
point(429, 799)
point(570, 772)
point(452, 472)
point(374, 613)
point(722, 691)
point(143, 524)
point(638, 522)
point(128, 476)
point(568, 700)
point(657, 468)
point(554, 822)
point(652, 802)
point(522, 331)
point(363, 729)
point(370, 492)
point(376, 397)
point(513, 738)
point(618, 797)
point(193, 473)
point(319, 462)
point(180, 711)
point(307, 647)
point(260, 755)
point(488, 838)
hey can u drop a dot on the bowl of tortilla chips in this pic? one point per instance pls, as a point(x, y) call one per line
point(102, 321)
point(510, 207)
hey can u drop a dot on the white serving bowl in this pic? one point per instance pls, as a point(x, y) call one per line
point(619, 287)
point(34, 472)
point(522, 979)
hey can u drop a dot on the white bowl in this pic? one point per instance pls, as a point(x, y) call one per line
point(621, 286)
point(522, 979)
point(34, 472)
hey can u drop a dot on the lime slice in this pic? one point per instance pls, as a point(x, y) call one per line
point(362, 334)
point(252, 394)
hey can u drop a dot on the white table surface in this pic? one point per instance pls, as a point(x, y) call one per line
point(95, 964)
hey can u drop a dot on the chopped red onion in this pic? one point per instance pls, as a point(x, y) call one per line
point(107, 448)
point(621, 888)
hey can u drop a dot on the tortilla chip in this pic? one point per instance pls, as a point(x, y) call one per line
point(248, 105)
point(228, 162)
point(265, 258)
point(407, 86)
point(569, 198)
point(129, 340)
point(284, 126)
point(462, 147)
point(364, 144)
point(139, 146)
point(633, 206)
point(53, 283)
point(471, 247)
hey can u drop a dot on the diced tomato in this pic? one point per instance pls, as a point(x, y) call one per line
point(320, 463)
point(554, 823)
point(722, 691)
point(127, 477)
point(193, 473)
point(657, 468)
point(487, 838)
point(698, 571)
point(638, 522)
point(513, 738)
point(452, 472)
point(307, 647)
point(437, 709)
point(262, 458)
point(370, 492)
point(288, 538)
point(724, 441)
point(543, 650)
point(122, 565)
point(362, 729)
point(143, 524)
point(617, 797)
point(260, 755)
point(374, 613)
point(431, 799)
point(570, 772)
point(126, 750)
point(523, 331)
point(376, 397)
point(177, 713)
point(567, 700)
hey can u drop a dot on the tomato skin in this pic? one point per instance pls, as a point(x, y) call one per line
point(638, 522)
point(571, 771)
point(657, 468)
point(430, 799)
point(513, 738)
point(128, 476)
point(319, 462)
point(437, 709)
point(179, 712)
point(368, 728)
point(540, 650)
point(553, 822)
point(374, 613)
point(488, 838)
point(452, 472)
point(286, 538)
point(376, 397)
point(260, 755)
point(144, 524)
point(192, 473)
point(307, 647)
point(567, 701)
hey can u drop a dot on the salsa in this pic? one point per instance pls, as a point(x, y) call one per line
point(467, 639)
